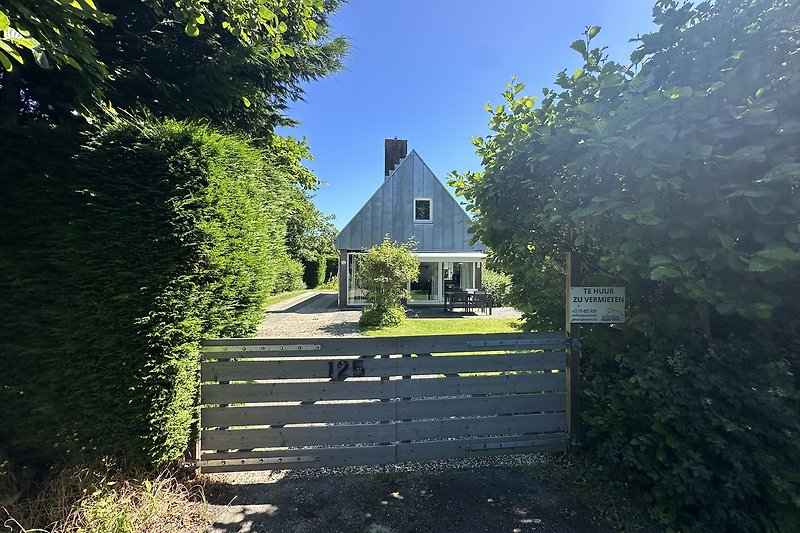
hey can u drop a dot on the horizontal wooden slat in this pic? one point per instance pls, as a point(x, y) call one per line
point(370, 346)
point(377, 411)
point(225, 439)
point(368, 455)
point(459, 448)
point(343, 456)
point(480, 427)
point(292, 369)
point(384, 389)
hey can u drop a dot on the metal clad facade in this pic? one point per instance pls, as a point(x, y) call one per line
point(391, 211)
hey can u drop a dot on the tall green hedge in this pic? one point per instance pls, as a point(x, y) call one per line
point(118, 253)
point(314, 272)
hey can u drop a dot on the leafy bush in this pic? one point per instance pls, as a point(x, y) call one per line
point(497, 285)
point(707, 430)
point(371, 317)
point(290, 275)
point(117, 258)
point(385, 271)
point(676, 177)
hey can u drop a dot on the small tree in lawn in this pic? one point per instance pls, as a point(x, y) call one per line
point(385, 271)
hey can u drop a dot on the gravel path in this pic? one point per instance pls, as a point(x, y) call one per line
point(312, 314)
point(490, 494)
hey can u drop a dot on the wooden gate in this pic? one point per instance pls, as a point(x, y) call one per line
point(305, 403)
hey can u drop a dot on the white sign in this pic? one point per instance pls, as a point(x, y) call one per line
point(597, 305)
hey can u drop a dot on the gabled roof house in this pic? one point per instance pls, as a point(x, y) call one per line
point(412, 203)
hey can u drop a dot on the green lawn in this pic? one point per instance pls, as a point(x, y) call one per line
point(282, 296)
point(447, 326)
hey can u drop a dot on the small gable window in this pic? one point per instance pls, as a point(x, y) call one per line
point(422, 210)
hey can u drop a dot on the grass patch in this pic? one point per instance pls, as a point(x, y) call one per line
point(283, 296)
point(98, 500)
point(446, 326)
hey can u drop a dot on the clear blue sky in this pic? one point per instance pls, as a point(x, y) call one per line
point(423, 70)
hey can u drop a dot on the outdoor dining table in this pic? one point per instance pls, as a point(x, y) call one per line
point(451, 300)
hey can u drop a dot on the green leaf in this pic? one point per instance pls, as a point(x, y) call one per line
point(748, 153)
point(661, 454)
point(6, 62)
point(4, 22)
point(266, 14)
point(191, 29)
point(672, 440)
point(10, 51)
point(779, 253)
point(246, 101)
point(579, 46)
point(786, 172)
point(577, 74)
point(593, 31)
point(663, 272)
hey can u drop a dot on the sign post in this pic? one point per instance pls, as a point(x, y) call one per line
point(573, 271)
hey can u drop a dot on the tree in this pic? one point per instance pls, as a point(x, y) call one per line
point(385, 270)
point(677, 177)
point(237, 73)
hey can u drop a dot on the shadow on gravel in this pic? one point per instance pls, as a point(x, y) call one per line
point(319, 303)
point(341, 328)
point(488, 499)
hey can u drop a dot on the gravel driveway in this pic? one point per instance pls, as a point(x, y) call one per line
point(482, 494)
point(309, 315)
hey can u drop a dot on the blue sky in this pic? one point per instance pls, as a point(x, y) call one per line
point(423, 70)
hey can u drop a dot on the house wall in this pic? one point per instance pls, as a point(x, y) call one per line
point(390, 211)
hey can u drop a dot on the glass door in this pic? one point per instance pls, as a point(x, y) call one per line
point(427, 288)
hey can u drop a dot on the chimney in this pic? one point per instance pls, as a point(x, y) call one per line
point(395, 150)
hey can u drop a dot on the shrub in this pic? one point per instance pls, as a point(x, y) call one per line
point(371, 317)
point(709, 432)
point(289, 276)
point(117, 258)
point(675, 176)
point(385, 271)
point(497, 285)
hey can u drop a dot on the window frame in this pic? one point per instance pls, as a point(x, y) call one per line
point(429, 220)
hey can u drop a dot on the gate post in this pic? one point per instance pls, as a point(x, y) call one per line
point(573, 271)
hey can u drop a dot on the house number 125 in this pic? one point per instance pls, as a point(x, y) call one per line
point(343, 369)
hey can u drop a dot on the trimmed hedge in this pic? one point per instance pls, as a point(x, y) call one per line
point(314, 272)
point(115, 259)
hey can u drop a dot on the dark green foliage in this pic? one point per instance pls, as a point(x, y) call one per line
point(331, 268)
point(239, 79)
point(709, 430)
point(314, 272)
point(115, 259)
point(676, 178)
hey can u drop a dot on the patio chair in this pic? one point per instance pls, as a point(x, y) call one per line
point(483, 301)
point(459, 299)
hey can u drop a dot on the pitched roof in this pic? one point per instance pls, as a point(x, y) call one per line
point(391, 211)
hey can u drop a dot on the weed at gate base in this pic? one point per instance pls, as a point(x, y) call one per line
point(100, 500)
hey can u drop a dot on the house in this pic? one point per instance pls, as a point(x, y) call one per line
point(412, 203)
